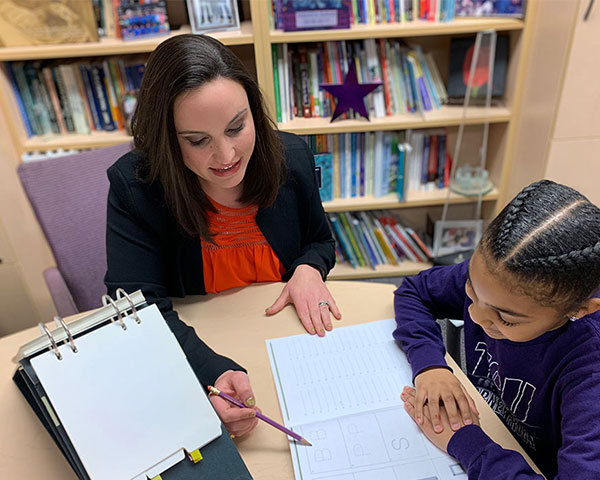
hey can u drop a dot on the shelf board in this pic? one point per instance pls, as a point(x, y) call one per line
point(116, 46)
point(446, 116)
point(413, 199)
point(395, 30)
point(344, 271)
point(75, 141)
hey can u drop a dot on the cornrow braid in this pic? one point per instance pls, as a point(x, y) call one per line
point(575, 259)
point(503, 244)
point(548, 239)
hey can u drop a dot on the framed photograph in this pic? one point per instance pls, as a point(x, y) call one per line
point(453, 236)
point(212, 15)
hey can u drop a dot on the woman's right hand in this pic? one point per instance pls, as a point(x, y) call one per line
point(238, 421)
point(439, 387)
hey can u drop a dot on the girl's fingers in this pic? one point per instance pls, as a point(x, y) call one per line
point(452, 411)
point(434, 412)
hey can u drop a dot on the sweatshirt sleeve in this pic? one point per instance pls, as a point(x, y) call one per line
point(433, 294)
point(485, 460)
point(136, 261)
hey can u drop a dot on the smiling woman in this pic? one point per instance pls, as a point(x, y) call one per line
point(214, 197)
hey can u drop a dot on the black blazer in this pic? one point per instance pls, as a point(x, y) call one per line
point(147, 250)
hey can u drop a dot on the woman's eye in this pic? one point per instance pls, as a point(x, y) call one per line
point(237, 129)
point(200, 141)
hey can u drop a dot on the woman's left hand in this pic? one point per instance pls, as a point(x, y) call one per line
point(440, 440)
point(311, 298)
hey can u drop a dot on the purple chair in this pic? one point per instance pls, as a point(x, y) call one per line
point(68, 195)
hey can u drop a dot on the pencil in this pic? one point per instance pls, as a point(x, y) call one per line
point(216, 391)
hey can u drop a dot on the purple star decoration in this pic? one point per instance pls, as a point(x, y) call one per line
point(350, 94)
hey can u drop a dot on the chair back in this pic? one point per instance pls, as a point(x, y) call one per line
point(68, 195)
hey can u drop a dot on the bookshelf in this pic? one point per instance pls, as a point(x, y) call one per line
point(434, 37)
point(254, 42)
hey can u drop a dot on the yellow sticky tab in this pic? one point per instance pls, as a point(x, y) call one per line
point(195, 456)
point(158, 477)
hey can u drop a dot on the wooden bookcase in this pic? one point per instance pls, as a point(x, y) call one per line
point(254, 42)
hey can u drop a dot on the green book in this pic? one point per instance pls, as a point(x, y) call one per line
point(276, 83)
point(353, 240)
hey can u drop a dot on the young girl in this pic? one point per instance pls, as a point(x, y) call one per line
point(532, 340)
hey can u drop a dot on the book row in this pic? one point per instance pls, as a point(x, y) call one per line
point(75, 97)
point(369, 239)
point(378, 11)
point(410, 79)
point(380, 163)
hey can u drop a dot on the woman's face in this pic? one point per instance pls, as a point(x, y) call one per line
point(215, 130)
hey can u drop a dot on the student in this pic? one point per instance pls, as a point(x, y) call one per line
point(212, 198)
point(532, 340)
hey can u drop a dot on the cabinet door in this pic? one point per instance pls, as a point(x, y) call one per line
point(16, 308)
point(576, 163)
point(579, 109)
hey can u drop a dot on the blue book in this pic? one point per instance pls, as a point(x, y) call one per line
point(20, 104)
point(324, 171)
point(361, 146)
point(425, 160)
point(341, 138)
point(400, 180)
point(353, 165)
point(343, 240)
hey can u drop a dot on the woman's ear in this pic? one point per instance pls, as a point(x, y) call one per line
point(591, 305)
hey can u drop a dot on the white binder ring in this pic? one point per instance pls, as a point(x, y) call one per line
point(123, 294)
point(107, 300)
point(46, 332)
point(61, 323)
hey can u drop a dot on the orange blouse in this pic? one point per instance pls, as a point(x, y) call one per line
point(241, 254)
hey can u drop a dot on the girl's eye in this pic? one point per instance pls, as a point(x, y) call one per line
point(505, 323)
point(237, 130)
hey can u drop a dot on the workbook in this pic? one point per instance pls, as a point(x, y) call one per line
point(342, 393)
point(115, 391)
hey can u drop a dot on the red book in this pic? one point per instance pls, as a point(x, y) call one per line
point(386, 80)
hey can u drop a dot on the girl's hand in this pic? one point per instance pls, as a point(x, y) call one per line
point(311, 298)
point(439, 439)
point(436, 387)
point(238, 421)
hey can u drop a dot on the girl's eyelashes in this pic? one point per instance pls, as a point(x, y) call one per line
point(505, 323)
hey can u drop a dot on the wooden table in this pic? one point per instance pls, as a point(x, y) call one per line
point(234, 324)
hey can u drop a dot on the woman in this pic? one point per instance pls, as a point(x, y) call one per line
point(213, 197)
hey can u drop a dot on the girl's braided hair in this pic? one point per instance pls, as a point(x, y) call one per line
point(548, 236)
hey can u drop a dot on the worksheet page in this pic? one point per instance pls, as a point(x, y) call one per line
point(342, 393)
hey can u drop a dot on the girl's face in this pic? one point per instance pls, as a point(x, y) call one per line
point(503, 313)
point(215, 130)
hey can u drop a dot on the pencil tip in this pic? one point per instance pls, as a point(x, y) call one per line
point(304, 441)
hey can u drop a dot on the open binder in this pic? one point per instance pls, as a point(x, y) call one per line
point(116, 393)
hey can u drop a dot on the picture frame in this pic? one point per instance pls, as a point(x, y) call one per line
point(213, 15)
point(453, 236)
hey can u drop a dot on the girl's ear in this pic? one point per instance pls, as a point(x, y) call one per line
point(590, 306)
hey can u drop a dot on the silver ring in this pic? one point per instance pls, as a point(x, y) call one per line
point(61, 323)
point(105, 301)
point(46, 331)
point(122, 293)
point(323, 303)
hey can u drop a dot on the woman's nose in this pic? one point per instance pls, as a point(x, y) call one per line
point(225, 152)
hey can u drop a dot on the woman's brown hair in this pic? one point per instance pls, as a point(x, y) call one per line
point(178, 65)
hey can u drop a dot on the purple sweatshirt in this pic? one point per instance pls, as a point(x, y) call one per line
point(546, 391)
